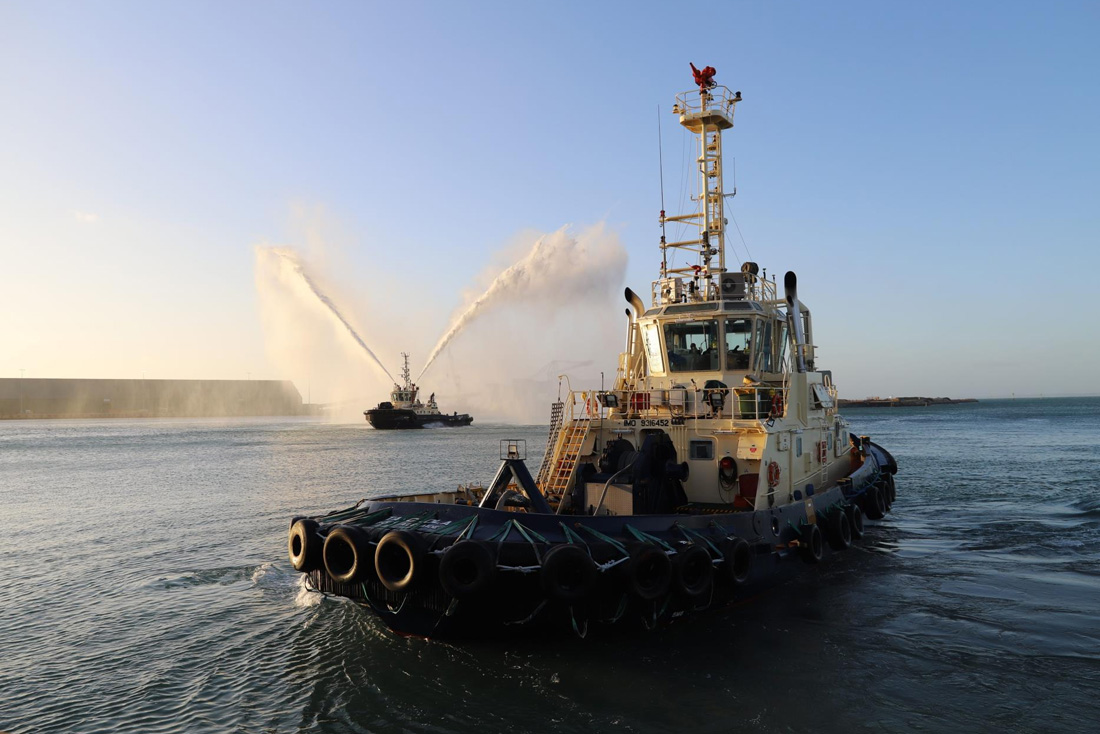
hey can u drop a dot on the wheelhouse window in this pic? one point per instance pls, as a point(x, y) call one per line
point(771, 345)
point(651, 335)
point(738, 343)
point(692, 346)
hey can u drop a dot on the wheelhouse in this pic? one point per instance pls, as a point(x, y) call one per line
point(715, 337)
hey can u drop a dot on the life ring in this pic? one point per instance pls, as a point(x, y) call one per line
point(777, 405)
point(347, 554)
point(773, 474)
point(467, 568)
point(813, 546)
point(568, 573)
point(693, 570)
point(649, 572)
point(398, 559)
point(304, 545)
point(738, 557)
point(592, 407)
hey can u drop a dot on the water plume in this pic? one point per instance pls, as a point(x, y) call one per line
point(293, 273)
point(560, 269)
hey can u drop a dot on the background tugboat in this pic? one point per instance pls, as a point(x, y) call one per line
point(717, 465)
point(404, 409)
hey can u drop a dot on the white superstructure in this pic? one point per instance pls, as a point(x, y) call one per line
point(719, 361)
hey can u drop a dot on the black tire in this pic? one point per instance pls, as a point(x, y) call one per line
point(648, 572)
point(693, 571)
point(855, 520)
point(305, 545)
point(891, 489)
point(738, 560)
point(840, 531)
point(467, 568)
point(872, 503)
point(347, 555)
point(398, 560)
point(813, 544)
point(568, 573)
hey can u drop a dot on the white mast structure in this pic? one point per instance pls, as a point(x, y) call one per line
point(706, 112)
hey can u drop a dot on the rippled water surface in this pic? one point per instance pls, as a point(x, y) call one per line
point(144, 587)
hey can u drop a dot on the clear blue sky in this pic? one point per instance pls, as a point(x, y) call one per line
point(929, 169)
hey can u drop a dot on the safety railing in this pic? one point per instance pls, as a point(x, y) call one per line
point(718, 98)
point(747, 402)
point(663, 293)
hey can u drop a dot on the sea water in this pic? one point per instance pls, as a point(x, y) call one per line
point(144, 587)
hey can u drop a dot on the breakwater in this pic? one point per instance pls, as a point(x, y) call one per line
point(907, 402)
point(90, 398)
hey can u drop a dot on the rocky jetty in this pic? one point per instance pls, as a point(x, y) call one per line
point(907, 402)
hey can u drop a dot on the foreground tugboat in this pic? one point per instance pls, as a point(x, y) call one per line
point(406, 411)
point(716, 466)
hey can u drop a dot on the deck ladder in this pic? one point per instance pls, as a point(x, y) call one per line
point(557, 410)
point(570, 440)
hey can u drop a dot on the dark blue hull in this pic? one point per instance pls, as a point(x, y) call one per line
point(397, 418)
point(451, 570)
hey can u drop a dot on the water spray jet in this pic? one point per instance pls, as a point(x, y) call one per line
point(289, 260)
point(559, 266)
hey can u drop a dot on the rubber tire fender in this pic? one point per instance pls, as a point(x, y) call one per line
point(649, 572)
point(855, 520)
point(568, 573)
point(813, 544)
point(398, 560)
point(872, 503)
point(304, 545)
point(693, 571)
point(467, 568)
point(738, 560)
point(347, 554)
point(840, 531)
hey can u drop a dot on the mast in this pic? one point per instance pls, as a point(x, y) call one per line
point(405, 374)
point(409, 388)
point(706, 112)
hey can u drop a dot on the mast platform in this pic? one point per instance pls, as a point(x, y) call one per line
point(712, 108)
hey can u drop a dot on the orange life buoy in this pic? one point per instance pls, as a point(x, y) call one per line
point(777, 404)
point(592, 406)
point(773, 474)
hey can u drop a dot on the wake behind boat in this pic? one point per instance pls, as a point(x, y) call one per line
point(718, 465)
point(405, 410)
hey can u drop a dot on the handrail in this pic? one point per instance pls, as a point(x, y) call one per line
point(741, 402)
point(718, 97)
point(756, 289)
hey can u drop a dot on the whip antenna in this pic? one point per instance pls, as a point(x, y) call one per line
point(661, 156)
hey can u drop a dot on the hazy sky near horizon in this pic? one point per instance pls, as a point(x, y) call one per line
point(930, 171)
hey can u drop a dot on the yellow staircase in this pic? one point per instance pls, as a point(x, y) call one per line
point(570, 440)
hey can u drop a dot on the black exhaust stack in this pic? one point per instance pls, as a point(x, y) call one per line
point(794, 314)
